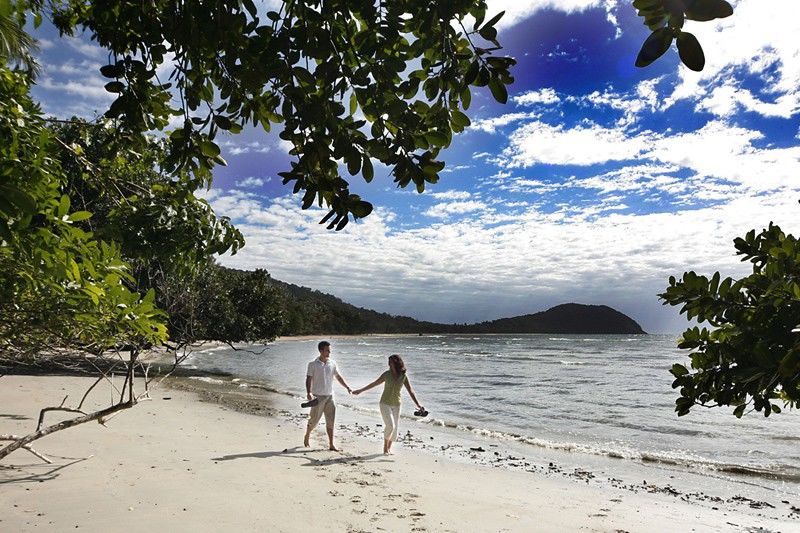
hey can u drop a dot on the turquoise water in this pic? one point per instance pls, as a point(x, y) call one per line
point(598, 395)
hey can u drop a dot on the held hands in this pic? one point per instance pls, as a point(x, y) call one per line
point(357, 392)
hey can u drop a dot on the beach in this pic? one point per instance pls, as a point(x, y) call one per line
point(180, 462)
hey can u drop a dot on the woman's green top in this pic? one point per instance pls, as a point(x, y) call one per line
point(392, 386)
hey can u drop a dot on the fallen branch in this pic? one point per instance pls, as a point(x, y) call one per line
point(27, 447)
point(97, 415)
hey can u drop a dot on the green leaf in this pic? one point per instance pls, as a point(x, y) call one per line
point(223, 122)
point(112, 71)
point(654, 47)
point(466, 98)
point(366, 168)
point(690, 51)
point(78, 216)
point(494, 20)
point(209, 148)
point(353, 104)
point(678, 370)
point(115, 86)
point(459, 119)
point(705, 10)
point(361, 209)
point(63, 206)
point(499, 90)
point(353, 160)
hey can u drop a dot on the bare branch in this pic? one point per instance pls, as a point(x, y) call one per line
point(27, 447)
point(97, 415)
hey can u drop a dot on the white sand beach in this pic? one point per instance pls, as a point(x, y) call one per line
point(177, 463)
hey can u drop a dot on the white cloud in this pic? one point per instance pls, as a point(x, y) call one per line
point(490, 125)
point(511, 264)
point(539, 142)
point(517, 11)
point(448, 209)
point(729, 153)
point(88, 89)
point(251, 182)
point(238, 148)
point(455, 168)
point(635, 178)
point(645, 98)
point(451, 195)
point(760, 39)
point(86, 48)
point(545, 96)
point(727, 99)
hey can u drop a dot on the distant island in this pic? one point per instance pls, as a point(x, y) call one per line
point(309, 311)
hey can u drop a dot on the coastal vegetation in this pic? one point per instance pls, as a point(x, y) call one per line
point(750, 358)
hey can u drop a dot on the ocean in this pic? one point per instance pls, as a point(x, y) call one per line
point(598, 400)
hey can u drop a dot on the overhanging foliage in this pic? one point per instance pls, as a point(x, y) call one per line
point(751, 357)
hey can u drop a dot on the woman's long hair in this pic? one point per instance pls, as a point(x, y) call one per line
point(397, 365)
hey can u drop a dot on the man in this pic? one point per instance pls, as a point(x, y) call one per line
point(319, 385)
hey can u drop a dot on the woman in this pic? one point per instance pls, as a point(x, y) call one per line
point(393, 380)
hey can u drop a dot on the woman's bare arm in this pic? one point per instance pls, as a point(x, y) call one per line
point(411, 393)
point(371, 385)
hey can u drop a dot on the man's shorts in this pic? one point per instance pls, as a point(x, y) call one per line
point(326, 407)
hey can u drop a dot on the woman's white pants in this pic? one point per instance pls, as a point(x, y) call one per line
point(391, 417)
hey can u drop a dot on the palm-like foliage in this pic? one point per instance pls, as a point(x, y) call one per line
point(16, 46)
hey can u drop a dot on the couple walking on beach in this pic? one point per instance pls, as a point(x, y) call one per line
point(319, 386)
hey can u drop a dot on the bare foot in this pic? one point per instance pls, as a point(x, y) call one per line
point(334, 448)
point(305, 442)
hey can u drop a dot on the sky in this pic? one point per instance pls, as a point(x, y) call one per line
point(593, 184)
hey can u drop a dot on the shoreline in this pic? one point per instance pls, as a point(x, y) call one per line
point(172, 461)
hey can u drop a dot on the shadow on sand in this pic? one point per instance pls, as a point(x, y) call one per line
point(300, 452)
point(7, 473)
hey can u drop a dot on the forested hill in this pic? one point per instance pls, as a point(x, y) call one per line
point(564, 318)
point(309, 311)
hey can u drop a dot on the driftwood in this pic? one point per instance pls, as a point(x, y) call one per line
point(127, 397)
point(26, 447)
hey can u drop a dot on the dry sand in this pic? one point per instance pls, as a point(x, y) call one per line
point(180, 464)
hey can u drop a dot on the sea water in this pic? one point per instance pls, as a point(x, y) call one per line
point(593, 396)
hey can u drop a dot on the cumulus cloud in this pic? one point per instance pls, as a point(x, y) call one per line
point(87, 89)
point(545, 96)
point(239, 147)
point(759, 39)
point(528, 261)
point(251, 182)
point(451, 195)
point(490, 125)
point(645, 97)
point(585, 144)
point(730, 153)
point(518, 11)
point(455, 168)
point(448, 209)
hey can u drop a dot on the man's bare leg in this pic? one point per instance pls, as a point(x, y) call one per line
point(330, 439)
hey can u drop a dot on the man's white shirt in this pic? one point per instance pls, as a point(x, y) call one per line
point(322, 375)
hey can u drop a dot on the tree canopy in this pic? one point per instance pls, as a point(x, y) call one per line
point(751, 357)
point(59, 285)
point(348, 83)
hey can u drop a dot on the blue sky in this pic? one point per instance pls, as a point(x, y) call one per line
point(594, 184)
